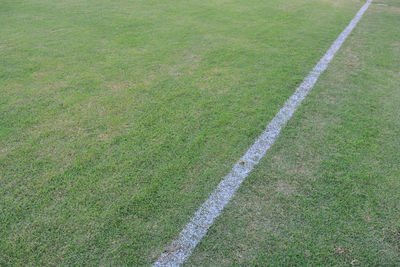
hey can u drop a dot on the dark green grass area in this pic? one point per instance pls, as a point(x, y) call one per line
point(327, 193)
point(118, 118)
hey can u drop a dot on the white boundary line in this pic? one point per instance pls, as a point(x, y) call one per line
point(194, 231)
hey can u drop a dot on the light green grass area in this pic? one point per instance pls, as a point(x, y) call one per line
point(327, 193)
point(118, 118)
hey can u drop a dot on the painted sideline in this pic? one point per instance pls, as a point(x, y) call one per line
point(194, 231)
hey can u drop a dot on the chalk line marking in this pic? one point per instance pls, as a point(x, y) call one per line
point(194, 231)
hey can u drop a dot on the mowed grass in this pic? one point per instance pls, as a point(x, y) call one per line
point(327, 193)
point(118, 118)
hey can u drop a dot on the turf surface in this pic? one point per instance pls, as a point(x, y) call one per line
point(327, 194)
point(118, 118)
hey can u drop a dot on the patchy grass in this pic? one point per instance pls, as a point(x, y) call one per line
point(118, 118)
point(328, 191)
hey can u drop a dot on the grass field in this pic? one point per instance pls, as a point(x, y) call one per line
point(118, 118)
point(328, 192)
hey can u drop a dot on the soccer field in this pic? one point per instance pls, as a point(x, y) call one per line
point(119, 118)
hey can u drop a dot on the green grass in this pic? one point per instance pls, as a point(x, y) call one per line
point(118, 118)
point(327, 194)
